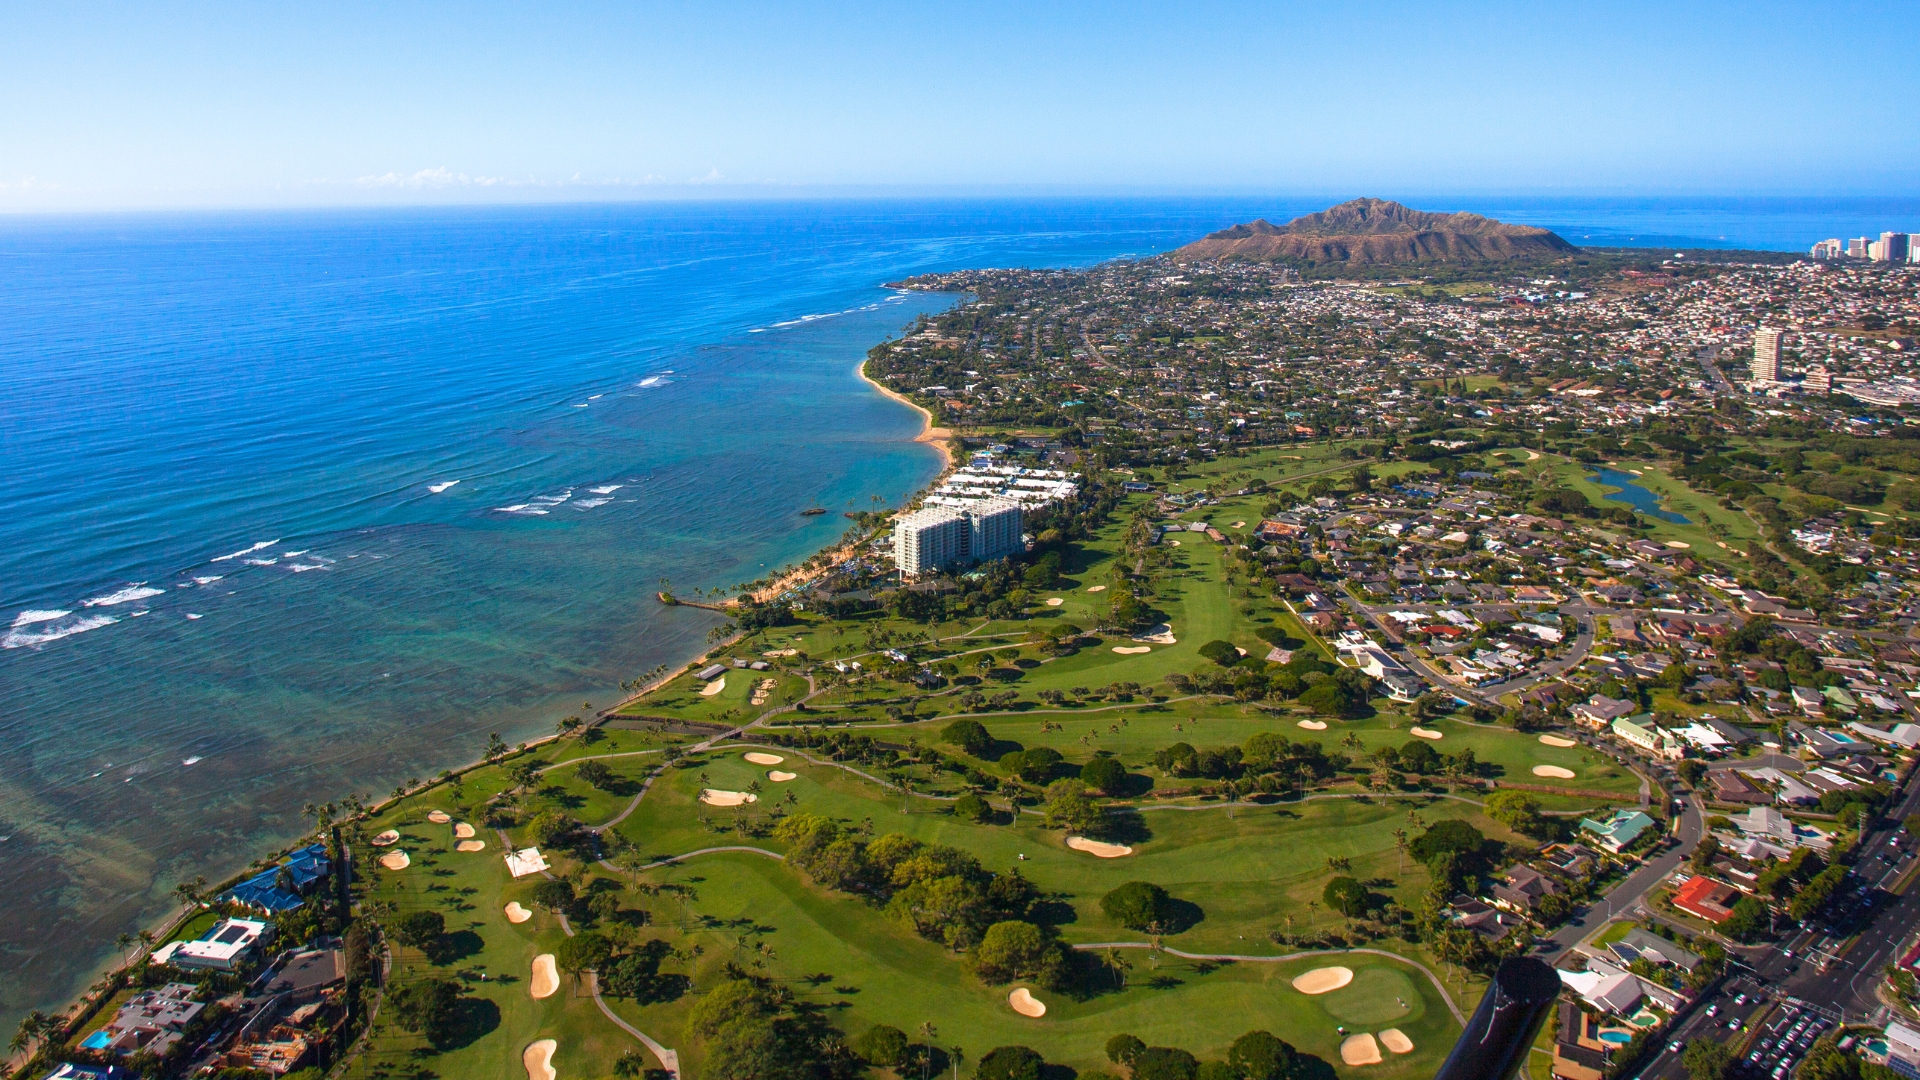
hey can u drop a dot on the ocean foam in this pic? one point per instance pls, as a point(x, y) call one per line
point(21, 639)
point(606, 489)
point(596, 397)
point(581, 405)
point(262, 562)
point(136, 590)
point(190, 615)
point(588, 504)
point(652, 381)
point(301, 568)
point(441, 486)
point(30, 616)
point(519, 508)
point(245, 551)
point(208, 580)
point(294, 554)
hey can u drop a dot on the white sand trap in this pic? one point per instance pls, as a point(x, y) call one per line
point(779, 777)
point(517, 914)
point(1159, 635)
point(1360, 1050)
point(1557, 740)
point(1095, 847)
point(1055, 601)
point(1239, 524)
point(1314, 725)
point(714, 687)
point(1175, 543)
point(1396, 1040)
point(1096, 588)
point(1323, 980)
point(758, 758)
point(1026, 1004)
point(470, 845)
point(713, 797)
point(387, 839)
point(463, 831)
point(1554, 771)
point(546, 977)
point(1425, 733)
point(1678, 545)
point(1132, 650)
point(439, 817)
point(395, 860)
point(539, 1060)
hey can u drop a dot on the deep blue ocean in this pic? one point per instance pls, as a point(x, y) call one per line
point(303, 504)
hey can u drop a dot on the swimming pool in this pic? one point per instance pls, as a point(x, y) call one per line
point(1617, 1038)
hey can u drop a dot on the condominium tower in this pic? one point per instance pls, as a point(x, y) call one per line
point(1766, 356)
point(942, 538)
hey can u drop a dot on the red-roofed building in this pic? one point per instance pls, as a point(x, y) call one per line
point(1709, 899)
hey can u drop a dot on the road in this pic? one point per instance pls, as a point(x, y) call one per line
point(1627, 895)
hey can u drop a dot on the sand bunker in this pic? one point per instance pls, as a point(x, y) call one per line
point(517, 914)
point(1678, 545)
point(1323, 980)
point(1026, 1004)
point(714, 687)
point(1360, 1050)
point(1055, 601)
point(1095, 847)
point(470, 845)
point(1425, 733)
point(782, 652)
point(1239, 524)
point(395, 860)
point(1096, 588)
point(1132, 650)
point(1175, 543)
point(762, 690)
point(1314, 725)
point(539, 1060)
point(758, 758)
point(1396, 1040)
point(439, 817)
point(1556, 740)
point(387, 839)
point(779, 777)
point(546, 977)
point(1159, 635)
point(727, 798)
point(463, 831)
point(1554, 771)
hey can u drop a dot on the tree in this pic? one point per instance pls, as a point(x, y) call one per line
point(419, 929)
point(1690, 770)
point(1165, 1063)
point(1106, 774)
point(1517, 810)
point(1137, 905)
point(1070, 807)
point(1347, 896)
point(881, 1045)
point(1122, 1049)
point(1258, 1055)
point(427, 1007)
point(1451, 836)
point(971, 807)
point(555, 894)
point(595, 774)
point(1221, 652)
point(583, 952)
point(1013, 949)
point(1706, 1059)
point(1010, 1063)
point(1035, 766)
point(969, 735)
point(1748, 921)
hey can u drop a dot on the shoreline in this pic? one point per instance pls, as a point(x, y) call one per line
point(935, 437)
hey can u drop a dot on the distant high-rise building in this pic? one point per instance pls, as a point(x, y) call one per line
point(1828, 249)
point(942, 538)
point(1818, 381)
point(1893, 247)
point(1766, 356)
point(1857, 247)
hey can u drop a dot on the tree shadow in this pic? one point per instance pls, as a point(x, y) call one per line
point(1052, 912)
point(1179, 916)
point(1127, 827)
point(1134, 786)
point(453, 947)
point(473, 1019)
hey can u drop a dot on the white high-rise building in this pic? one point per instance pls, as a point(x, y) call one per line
point(1857, 247)
point(941, 538)
point(1827, 249)
point(1892, 247)
point(1818, 381)
point(1766, 356)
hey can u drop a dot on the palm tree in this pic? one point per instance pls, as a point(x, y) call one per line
point(927, 1032)
point(956, 1054)
point(1400, 845)
point(1313, 912)
point(35, 1027)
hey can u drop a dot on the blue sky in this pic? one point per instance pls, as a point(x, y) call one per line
point(116, 106)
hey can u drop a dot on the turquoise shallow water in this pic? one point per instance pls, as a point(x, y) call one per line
point(257, 469)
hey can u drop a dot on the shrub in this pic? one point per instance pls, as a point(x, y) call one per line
point(1137, 905)
point(969, 735)
point(881, 1045)
point(419, 929)
point(1010, 1063)
point(1105, 773)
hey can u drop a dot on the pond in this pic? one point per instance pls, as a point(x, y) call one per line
point(1634, 495)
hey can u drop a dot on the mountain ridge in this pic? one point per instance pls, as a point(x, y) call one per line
point(1369, 232)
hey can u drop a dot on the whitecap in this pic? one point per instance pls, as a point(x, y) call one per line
point(137, 614)
point(441, 486)
point(588, 504)
point(652, 381)
point(207, 580)
point(596, 397)
point(193, 761)
point(519, 508)
point(183, 585)
point(30, 616)
point(581, 405)
point(245, 551)
point(22, 639)
point(758, 330)
point(262, 562)
point(301, 568)
point(294, 554)
point(135, 590)
point(190, 615)
point(606, 489)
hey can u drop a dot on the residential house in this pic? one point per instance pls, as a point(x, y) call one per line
point(1706, 898)
point(1619, 831)
point(151, 1020)
point(229, 946)
point(283, 886)
point(1522, 887)
point(1641, 732)
point(1730, 787)
point(1600, 710)
point(1578, 1052)
point(1575, 861)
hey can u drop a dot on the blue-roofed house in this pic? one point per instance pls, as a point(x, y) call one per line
point(283, 887)
point(1618, 831)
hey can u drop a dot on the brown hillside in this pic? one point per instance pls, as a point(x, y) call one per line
point(1368, 232)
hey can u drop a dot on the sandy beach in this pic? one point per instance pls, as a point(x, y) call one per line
point(933, 436)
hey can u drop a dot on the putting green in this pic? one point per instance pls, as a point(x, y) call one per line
point(1375, 996)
